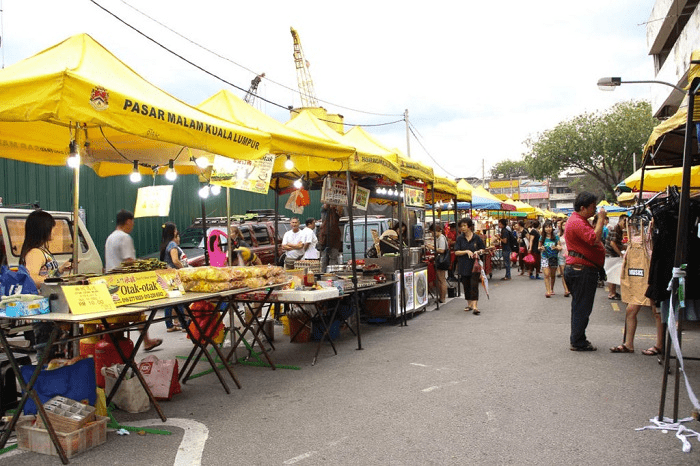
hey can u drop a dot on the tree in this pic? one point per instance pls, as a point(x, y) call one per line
point(509, 169)
point(600, 144)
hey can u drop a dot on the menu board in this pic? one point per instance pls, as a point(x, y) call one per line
point(132, 288)
point(408, 285)
point(153, 201)
point(246, 175)
point(421, 288)
point(361, 198)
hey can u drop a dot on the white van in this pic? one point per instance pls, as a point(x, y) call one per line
point(12, 222)
point(363, 236)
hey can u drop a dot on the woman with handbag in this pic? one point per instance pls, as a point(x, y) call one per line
point(442, 260)
point(533, 238)
point(467, 250)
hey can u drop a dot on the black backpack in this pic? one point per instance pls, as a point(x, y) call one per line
point(512, 239)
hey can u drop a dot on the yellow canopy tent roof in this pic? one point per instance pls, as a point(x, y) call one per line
point(360, 162)
point(657, 179)
point(445, 190)
point(285, 140)
point(464, 191)
point(79, 81)
point(523, 206)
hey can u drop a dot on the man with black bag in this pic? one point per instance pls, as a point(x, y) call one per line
point(585, 260)
point(507, 241)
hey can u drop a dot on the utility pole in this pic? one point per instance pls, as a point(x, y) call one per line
point(634, 162)
point(483, 174)
point(408, 139)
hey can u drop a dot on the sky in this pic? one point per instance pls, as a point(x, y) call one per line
point(477, 78)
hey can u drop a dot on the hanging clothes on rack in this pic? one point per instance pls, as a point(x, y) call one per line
point(635, 263)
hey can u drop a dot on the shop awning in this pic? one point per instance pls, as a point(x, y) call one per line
point(658, 179)
point(126, 118)
point(484, 200)
point(445, 190)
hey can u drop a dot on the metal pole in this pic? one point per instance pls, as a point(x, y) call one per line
point(408, 139)
point(681, 240)
point(277, 214)
point(435, 270)
point(402, 283)
point(229, 252)
point(80, 138)
point(353, 298)
point(204, 232)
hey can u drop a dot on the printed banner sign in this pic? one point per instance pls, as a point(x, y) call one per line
point(413, 196)
point(87, 299)
point(335, 191)
point(246, 175)
point(132, 288)
point(153, 201)
point(361, 198)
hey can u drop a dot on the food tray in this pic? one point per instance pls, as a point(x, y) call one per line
point(67, 415)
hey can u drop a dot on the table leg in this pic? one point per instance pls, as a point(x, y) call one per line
point(326, 330)
point(130, 363)
point(28, 389)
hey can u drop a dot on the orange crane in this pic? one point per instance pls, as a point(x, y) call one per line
point(306, 85)
point(253, 89)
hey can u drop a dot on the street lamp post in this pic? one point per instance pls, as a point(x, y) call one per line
point(682, 233)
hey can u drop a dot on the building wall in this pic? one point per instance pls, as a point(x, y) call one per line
point(673, 32)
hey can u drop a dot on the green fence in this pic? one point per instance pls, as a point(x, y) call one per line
point(101, 198)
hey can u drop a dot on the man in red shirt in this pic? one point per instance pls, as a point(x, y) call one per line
point(586, 255)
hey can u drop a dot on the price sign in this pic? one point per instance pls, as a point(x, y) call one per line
point(153, 201)
point(86, 299)
point(131, 288)
point(246, 175)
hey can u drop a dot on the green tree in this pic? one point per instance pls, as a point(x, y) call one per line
point(599, 144)
point(509, 169)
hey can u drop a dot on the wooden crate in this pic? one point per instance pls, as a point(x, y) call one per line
point(36, 439)
point(67, 415)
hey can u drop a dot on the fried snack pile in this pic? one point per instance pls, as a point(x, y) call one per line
point(215, 279)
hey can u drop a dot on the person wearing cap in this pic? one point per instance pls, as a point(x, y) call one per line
point(247, 257)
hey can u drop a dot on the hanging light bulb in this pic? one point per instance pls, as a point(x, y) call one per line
point(215, 190)
point(202, 162)
point(297, 183)
point(204, 192)
point(74, 158)
point(401, 194)
point(289, 163)
point(135, 176)
point(170, 175)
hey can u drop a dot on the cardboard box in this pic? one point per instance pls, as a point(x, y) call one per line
point(36, 439)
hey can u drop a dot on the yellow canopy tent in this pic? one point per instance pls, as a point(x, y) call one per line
point(285, 140)
point(122, 116)
point(445, 190)
point(523, 207)
point(464, 191)
point(361, 162)
point(657, 179)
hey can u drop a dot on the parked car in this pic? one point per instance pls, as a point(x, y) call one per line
point(363, 236)
point(260, 235)
point(12, 222)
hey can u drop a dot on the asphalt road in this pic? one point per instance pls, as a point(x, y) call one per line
point(449, 388)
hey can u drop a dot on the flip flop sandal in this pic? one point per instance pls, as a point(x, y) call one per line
point(621, 349)
point(157, 343)
point(653, 351)
point(467, 309)
point(476, 312)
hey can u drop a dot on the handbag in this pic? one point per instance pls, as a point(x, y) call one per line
point(442, 261)
point(523, 250)
point(476, 268)
point(529, 259)
point(514, 257)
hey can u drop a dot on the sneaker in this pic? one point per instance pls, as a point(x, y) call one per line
point(587, 347)
point(532, 277)
point(539, 278)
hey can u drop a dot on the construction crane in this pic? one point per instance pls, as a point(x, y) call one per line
point(253, 89)
point(306, 85)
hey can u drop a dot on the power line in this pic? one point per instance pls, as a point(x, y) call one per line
point(411, 128)
point(248, 69)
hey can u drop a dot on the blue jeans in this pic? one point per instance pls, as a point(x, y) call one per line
point(506, 259)
point(169, 321)
point(582, 284)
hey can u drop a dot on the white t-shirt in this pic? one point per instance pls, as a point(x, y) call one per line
point(294, 238)
point(118, 247)
point(311, 251)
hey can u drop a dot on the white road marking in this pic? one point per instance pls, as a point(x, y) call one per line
point(419, 365)
point(296, 459)
point(192, 446)
point(430, 389)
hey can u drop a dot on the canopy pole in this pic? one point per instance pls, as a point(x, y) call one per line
point(204, 232)
point(80, 140)
point(277, 214)
point(353, 298)
point(437, 301)
point(402, 282)
point(229, 252)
